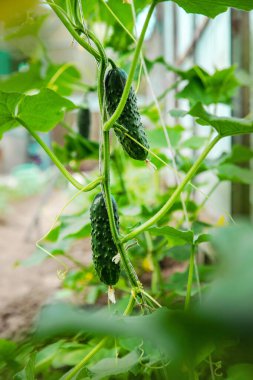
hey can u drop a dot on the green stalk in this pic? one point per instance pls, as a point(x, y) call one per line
point(106, 177)
point(74, 33)
point(163, 211)
point(72, 373)
point(56, 161)
point(156, 274)
point(190, 279)
point(130, 305)
point(127, 87)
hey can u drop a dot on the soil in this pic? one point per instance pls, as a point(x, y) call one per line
point(23, 290)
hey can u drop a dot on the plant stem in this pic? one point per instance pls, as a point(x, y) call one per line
point(130, 305)
point(155, 218)
point(127, 87)
point(71, 374)
point(56, 161)
point(156, 273)
point(73, 32)
point(190, 280)
point(132, 276)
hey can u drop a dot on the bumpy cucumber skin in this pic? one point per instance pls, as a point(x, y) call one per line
point(130, 118)
point(103, 246)
point(83, 122)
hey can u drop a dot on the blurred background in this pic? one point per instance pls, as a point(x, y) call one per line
point(32, 191)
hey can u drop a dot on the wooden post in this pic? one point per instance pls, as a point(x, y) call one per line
point(240, 55)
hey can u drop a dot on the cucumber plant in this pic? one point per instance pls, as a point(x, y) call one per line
point(152, 224)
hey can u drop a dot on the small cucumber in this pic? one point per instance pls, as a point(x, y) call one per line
point(83, 122)
point(103, 246)
point(130, 118)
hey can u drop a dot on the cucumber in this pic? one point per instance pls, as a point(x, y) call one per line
point(83, 122)
point(130, 118)
point(103, 246)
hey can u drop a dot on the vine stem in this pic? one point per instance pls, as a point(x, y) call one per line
point(190, 279)
point(132, 276)
point(56, 161)
point(71, 374)
point(109, 123)
point(73, 32)
point(155, 218)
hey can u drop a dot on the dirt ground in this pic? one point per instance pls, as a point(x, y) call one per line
point(24, 289)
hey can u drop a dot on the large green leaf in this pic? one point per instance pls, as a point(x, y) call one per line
point(174, 235)
point(61, 78)
point(22, 81)
point(225, 126)
point(43, 111)
point(201, 86)
point(112, 367)
point(40, 112)
point(238, 154)
point(212, 8)
point(8, 103)
point(117, 38)
point(208, 89)
point(28, 373)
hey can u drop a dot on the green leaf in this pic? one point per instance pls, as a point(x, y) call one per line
point(210, 8)
point(47, 354)
point(174, 235)
point(8, 103)
point(7, 349)
point(240, 371)
point(209, 89)
point(203, 238)
point(28, 373)
point(230, 172)
point(40, 112)
point(178, 113)
point(225, 126)
point(27, 79)
point(44, 110)
point(238, 154)
point(34, 76)
point(233, 246)
point(79, 148)
point(113, 367)
point(150, 63)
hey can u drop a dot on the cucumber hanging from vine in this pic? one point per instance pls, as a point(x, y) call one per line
point(103, 247)
point(130, 118)
point(83, 121)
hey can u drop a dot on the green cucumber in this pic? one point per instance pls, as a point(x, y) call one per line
point(130, 118)
point(83, 122)
point(103, 246)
